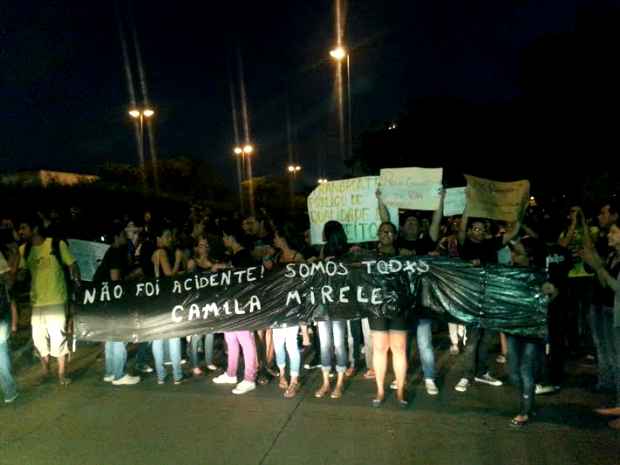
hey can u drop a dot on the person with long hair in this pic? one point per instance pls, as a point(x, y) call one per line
point(332, 333)
point(162, 267)
point(389, 334)
point(285, 335)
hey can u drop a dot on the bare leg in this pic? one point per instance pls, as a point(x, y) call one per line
point(380, 346)
point(398, 345)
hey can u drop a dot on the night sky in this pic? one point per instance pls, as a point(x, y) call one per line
point(64, 93)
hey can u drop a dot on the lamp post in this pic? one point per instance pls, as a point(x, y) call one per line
point(339, 53)
point(242, 151)
point(322, 180)
point(140, 114)
point(292, 171)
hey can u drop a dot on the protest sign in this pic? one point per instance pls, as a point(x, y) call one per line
point(454, 202)
point(352, 202)
point(356, 287)
point(496, 200)
point(88, 255)
point(411, 188)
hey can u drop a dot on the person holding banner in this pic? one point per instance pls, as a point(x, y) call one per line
point(114, 267)
point(7, 383)
point(285, 335)
point(389, 334)
point(478, 247)
point(161, 266)
point(332, 333)
point(241, 258)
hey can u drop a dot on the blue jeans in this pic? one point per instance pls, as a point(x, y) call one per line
point(287, 337)
point(174, 346)
point(115, 359)
point(7, 383)
point(602, 325)
point(194, 344)
point(425, 347)
point(523, 355)
point(332, 335)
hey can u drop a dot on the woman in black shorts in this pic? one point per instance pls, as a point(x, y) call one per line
point(389, 333)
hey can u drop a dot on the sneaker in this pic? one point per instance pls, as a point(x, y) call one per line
point(431, 387)
point(211, 368)
point(11, 399)
point(546, 389)
point(108, 378)
point(488, 379)
point(146, 369)
point(225, 379)
point(161, 381)
point(179, 381)
point(126, 380)
point(501, 359)
point(244, 387)
point(393, 385)
point(454, 350)
point(462, 385)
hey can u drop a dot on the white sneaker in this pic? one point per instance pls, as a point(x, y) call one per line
point(500, 359)
point(546, 389)
point(225, 379)
point(11, 399)
point(244, 387)
point(488, 379)
point(393, 385)
point(108, 378)
point(431, 387)
point(462, 385)
point(454, 350)
point(126, 380)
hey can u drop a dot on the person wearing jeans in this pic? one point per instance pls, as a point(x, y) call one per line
point(285, 341)
point(194, 345)
point(427, 356)
point(332, 338)
point(476, 360)
point(7, 383)
point(523, 355)
point(174, 347)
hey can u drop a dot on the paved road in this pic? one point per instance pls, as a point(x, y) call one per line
point(200, 423)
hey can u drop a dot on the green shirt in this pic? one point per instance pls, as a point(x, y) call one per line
point(48, 286)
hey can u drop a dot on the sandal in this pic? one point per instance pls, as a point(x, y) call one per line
point(350, 372)
point(292, 390)
point(337, 393)
point(370, 374)
point(283, 384)
point(322, 392)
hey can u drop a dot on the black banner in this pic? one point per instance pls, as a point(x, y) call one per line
point(494, 297)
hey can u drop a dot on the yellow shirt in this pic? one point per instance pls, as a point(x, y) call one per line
point(48, 286)
point(575, 245)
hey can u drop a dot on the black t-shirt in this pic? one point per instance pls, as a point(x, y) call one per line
point(485, 250)
point(421, 246)
point(243, 259)
point(114, 259)
point(558, 262)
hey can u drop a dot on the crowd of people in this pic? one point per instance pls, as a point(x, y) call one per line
point(580, 256)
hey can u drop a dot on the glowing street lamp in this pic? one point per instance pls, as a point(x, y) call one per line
point(140, 114)
point(242, 151)
point(322, 180)
point(338, 53)
point(294, 169)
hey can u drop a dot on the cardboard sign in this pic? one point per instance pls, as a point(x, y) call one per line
point(497, 200)
point(454, 202)
point(352, 202)
point(88, 255)
point(411, 188)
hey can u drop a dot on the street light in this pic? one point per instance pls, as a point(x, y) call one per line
point(247, 149)
point(339, 53)
point(139, 115)
point(294, 169)
point(322, 180)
